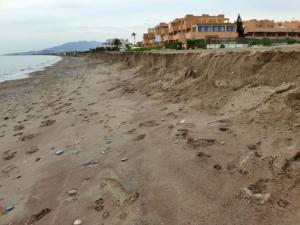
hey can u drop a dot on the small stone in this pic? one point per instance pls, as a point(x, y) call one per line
point(222, 143)
point(124, 159)
point(9, 207)
point(59, 152)
point(163, 119)
point(182, 122)
point(72, 192)
point(76, 152)
point(77, 222)
point(92, 162)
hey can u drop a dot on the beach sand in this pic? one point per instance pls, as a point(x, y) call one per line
point(81, 140)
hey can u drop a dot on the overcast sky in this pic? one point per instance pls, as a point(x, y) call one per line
point(37, 24)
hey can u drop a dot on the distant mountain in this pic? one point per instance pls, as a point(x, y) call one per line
point(79, 46)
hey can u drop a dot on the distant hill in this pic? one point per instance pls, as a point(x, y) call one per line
point(80, 46)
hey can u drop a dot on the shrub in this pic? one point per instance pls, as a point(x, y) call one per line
point(174, 45)
point(222, 45)
point(267, 42)
point(197, 43)
point(290, 41)
point(252, 43)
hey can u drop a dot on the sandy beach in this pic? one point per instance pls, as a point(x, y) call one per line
point(141, 139)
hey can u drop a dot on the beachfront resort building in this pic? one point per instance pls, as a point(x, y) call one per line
point(212, 28)
point(260, 29)
point(191, 27)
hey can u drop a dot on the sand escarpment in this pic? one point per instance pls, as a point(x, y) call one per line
point(255, 84)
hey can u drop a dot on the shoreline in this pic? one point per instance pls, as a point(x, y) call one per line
point(25, 75)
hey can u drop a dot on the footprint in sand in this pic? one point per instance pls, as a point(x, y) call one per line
point(150, 123)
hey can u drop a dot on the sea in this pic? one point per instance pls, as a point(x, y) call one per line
point(19, 67)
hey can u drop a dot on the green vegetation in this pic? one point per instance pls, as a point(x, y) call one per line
point(222, 45)
point(177, 45)
point(240, 27)
point(267, 42)
point(264, 42)
point(145, 49)
point(290, 41)
point(197, 43)
point(117, 43)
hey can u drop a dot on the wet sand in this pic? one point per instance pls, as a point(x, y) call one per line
point(78, 142)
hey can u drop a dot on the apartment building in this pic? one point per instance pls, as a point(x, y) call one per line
point(149, 38)
point(192, 27)
point(259, 29)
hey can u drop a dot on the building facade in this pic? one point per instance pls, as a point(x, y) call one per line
point(191, 27)
point(260, 29)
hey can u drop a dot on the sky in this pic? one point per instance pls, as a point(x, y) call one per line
point(38, 24)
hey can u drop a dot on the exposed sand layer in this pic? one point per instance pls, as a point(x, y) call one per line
point(206, 138)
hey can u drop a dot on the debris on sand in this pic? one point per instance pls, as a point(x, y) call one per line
point(8, 155)
point(39, 216)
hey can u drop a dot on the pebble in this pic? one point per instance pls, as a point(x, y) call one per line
point(222, 143)
point(59, 152)
point(76, 152)
point(9, 207)
point(124, 159)
point(72, 192)
point(77, 222)
point(182, 122)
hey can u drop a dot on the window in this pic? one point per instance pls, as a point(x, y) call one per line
point(230, 28)
point(215, 28)
point(218, 29)
point(221, 29)
point(204, 29)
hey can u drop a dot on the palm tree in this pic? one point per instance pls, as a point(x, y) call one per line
point(133, 35)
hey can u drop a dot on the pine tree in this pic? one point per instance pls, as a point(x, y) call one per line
point(240, 26)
